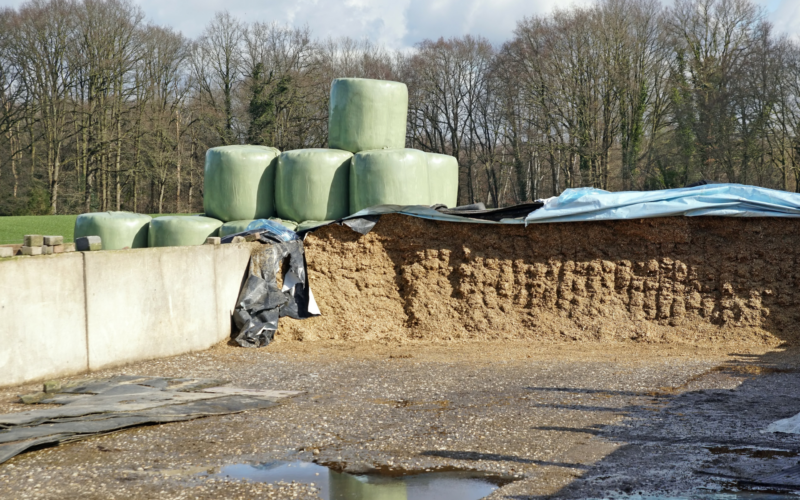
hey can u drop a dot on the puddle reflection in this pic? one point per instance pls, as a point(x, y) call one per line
point(450, 485)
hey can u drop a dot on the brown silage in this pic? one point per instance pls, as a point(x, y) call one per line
point(676, 280)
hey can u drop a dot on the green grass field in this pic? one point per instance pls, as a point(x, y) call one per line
point(13, 229)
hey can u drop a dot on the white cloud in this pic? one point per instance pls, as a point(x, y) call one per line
point(786, 17)
point(395, 23)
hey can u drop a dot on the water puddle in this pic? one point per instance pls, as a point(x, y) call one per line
point(381, 485)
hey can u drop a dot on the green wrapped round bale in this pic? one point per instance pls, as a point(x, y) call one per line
point(443, 179)
point(116, 229)
point(313, 184)
point(233, 227)
point(388, 177)
point(239, 182)
point(178, 231)
point(367, 114)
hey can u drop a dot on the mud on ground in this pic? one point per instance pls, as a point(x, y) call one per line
point(498, 407)
point(676, 280)
point(575, 420)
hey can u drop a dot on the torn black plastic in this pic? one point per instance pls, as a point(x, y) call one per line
point(262, 301)
point(479, 211)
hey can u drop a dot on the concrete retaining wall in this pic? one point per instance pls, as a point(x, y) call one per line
point(73, 313)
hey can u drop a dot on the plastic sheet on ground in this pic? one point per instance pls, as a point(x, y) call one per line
point(101, 406)
point(726, 200)
point(789, 425)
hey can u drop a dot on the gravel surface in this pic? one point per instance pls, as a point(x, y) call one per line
point(562, 417)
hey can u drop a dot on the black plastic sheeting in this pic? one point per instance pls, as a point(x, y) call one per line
point(262, 301)
point(100, 406)
point(479, 211)
point(475, 213)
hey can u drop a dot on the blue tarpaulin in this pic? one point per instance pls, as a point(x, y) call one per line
point(727, 200)
point(587, 204)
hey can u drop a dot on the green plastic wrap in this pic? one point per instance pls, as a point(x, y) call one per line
point(239, 182)
point(310, 224)
point(233, 227)
point(313, 184)
point(116, 229)
point(389, 177)
point(367, 114)
point(443, 179)
point(177, 231)
point(288, 224)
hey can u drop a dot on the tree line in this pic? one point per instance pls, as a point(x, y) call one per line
point(101, 110)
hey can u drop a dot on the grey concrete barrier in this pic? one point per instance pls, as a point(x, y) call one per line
point(72, 313)
point(42, 318)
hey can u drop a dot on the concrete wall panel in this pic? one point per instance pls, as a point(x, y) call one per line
point(72, 313)
point(149, 303)
point(230, 265)
point(42, 318)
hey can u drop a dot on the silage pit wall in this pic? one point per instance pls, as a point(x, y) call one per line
point(79, 312)
point(684, 280)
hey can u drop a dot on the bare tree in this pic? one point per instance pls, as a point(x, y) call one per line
point(44, 33)
point(168, 88)
point(217, 65)
point(447, 80)
point(100, 111)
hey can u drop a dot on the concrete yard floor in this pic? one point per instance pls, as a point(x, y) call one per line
point(573, 420)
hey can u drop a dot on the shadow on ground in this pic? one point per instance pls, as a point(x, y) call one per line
point(706, 438)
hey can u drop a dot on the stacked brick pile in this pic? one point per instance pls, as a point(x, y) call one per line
point(36, 244)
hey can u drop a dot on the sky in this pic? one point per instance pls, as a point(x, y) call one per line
point(396, 24)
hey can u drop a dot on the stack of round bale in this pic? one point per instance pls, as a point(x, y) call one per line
point(239, 187)
point(368, 118)
point(366, 165)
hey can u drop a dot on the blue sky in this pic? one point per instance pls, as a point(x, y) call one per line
point(394, 23)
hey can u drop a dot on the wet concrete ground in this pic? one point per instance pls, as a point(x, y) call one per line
point(572, 421)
